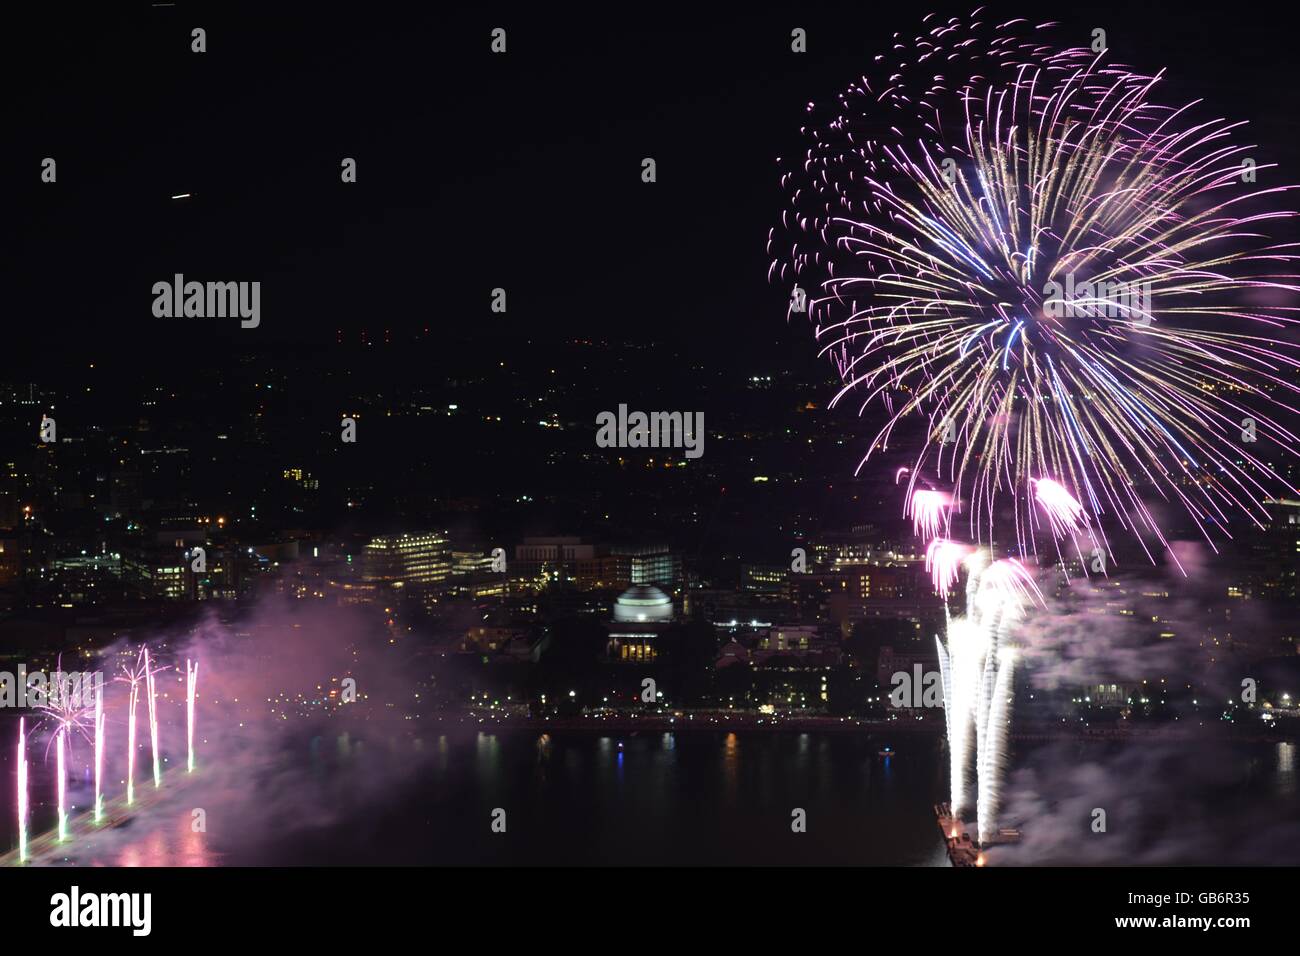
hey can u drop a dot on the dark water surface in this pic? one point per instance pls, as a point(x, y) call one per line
point(649, 798)
point(657, 798)
point(570, 798)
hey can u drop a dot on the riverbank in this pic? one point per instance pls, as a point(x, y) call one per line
point(928, 725)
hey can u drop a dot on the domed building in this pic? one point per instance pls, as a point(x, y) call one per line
point(643, 603)
point(640, 613)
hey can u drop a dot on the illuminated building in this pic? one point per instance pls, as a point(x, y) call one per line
point(90, 579)
point(541, 562)
point(1276, 552)
point(410, 560)
point(158, 577)
point(651, 565)
point(767, 582)
point(640, 614)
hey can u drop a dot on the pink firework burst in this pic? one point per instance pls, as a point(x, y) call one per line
point(928, 510)
point(943, 560)
point(1064, 512)
point(1012, 582)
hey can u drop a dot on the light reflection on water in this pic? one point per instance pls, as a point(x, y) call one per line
point(657, 798)
point(1286, 781)
point(174, 844)
point(162, 835)
point(640, 798)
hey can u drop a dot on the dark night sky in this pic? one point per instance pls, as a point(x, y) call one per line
point(475, 170)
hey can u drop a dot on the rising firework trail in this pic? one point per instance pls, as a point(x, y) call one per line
point(99, 756)
point(153, 719)
point(135, 676)
point(130, 744)
point(22, 790)
point(59, 743)
point(64, 708)
point(65, 711)
point(1037, 266)
point(191, 686)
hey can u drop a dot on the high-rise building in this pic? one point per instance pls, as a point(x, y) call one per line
point(767, 582)
point(1276, 553)
point(651, 565)
point(545, 561)
point(421, 561)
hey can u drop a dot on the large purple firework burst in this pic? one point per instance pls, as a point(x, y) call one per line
point(1015, 246)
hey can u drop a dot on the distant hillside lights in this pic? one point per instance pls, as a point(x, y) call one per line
point(651, 430)
point(208, 300)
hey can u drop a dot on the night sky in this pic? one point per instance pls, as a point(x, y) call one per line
point(475, 170)
point(520, 171)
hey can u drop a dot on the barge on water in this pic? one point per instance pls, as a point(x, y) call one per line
point(962, 850)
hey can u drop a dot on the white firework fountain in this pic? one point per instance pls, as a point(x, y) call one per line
point(976, 667)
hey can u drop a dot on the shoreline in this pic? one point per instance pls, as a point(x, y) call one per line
point(675, 723)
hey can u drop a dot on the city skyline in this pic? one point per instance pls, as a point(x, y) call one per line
point(513, 439)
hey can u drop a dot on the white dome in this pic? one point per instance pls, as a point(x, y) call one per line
point(643, 604)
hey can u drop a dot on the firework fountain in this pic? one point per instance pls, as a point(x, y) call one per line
point(64, 709)
point(976, 667)
point(67, 713)
point(141, 674)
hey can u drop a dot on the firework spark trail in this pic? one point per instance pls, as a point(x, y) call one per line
point(133, 677)
point(1065, 516)
point(130, 745)
point(59, 742)
point(993, 762)
point(63, 707)
point(943, 560)
point(153, 719)
point(191, 686)
point(928, 510)
point(956, 762)
point(963, 657)
point(22, 790)
point(99, 755)
point(64, 710)
point(1009, 586)
point(1064, 512)
point(976, 667)
point(942, 213)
